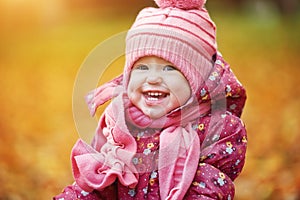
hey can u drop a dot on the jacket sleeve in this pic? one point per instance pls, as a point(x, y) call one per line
point(72, 192)
point(223, 148)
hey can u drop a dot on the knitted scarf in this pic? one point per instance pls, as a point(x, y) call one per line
point(179, 150)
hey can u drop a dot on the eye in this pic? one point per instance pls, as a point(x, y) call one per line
point(141, 67)
point(169, 68)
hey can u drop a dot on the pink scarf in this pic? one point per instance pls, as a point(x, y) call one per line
point(179, 150)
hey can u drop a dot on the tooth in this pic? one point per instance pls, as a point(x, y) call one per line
point(152, 99)
point(155, 94)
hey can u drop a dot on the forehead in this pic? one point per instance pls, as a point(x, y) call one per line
point(153, 60)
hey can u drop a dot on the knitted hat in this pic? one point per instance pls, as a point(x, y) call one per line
point(180, 32)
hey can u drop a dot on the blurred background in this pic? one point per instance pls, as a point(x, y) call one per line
point(44, 43)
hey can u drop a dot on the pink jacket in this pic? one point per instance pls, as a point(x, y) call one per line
point(195, 152)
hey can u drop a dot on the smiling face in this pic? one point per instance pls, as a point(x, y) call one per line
point(157, 87)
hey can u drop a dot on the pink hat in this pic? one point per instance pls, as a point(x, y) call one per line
point(180, 32)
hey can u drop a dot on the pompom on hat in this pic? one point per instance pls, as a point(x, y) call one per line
point(182, 4)
point(178, 31)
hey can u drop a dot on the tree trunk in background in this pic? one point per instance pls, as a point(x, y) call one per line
point(287, 7)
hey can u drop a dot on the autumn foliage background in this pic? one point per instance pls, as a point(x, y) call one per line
point(44, 43)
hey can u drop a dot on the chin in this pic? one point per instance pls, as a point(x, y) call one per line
point(154, 114)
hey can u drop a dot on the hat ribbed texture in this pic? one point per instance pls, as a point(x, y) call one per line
point(186, 38)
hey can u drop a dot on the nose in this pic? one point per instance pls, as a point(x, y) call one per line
point(154, 77)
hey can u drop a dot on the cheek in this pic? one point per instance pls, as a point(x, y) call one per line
point(181, 90)
point(132, 92)
point(178, 99)
point(130, 84)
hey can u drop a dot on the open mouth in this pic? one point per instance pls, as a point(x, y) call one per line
point(155, 95)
